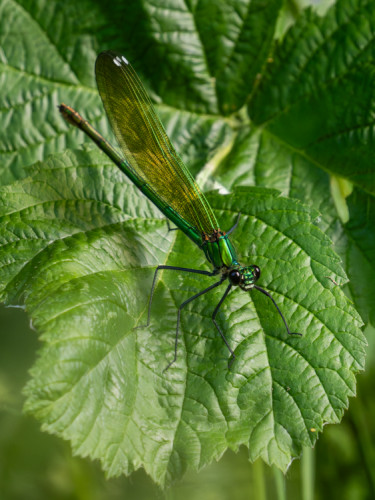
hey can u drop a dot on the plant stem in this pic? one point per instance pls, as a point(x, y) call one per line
point(308, 473)
point(259, 483)
point(280, 483)
point(358, 423)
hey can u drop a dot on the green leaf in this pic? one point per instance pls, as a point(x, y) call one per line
point(236, 45)
point(317, 95)
point(258, 159)
point(80, 245)
point(193, 67)
point(41, 63)
point(358, 246)
point(200, 56)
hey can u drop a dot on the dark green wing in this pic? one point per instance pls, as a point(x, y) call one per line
point(145, 144)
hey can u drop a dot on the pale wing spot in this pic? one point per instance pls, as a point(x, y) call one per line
point(117, 61)
point(125, 60)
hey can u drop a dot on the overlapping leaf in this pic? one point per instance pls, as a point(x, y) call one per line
point(259, 159)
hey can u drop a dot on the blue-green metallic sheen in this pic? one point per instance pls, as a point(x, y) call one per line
point(220, 253)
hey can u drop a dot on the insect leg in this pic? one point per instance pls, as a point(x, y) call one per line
point(232, 357)
point(235, 225)
point(171, 228)
point(278, 310)
point(179, 316)
point(171, 268)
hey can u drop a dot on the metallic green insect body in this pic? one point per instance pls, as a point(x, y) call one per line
point(150, 161)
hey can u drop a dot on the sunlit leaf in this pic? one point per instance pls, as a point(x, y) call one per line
point(88, 245)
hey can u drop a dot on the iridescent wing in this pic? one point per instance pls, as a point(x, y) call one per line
point(145, 144)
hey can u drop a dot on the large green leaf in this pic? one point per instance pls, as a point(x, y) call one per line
point(196, 68)
point(257, 158)
point(79, 248)
point(317, 94)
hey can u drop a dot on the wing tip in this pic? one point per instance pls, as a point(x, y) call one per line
point(112, 54)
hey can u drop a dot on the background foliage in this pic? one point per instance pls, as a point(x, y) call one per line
point(243, 111)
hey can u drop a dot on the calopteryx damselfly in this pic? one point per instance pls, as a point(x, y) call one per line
point(152, 164)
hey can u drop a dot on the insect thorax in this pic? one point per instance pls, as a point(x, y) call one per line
point(219, 251)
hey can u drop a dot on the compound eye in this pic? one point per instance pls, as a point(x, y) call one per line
point(256, 272)
point(235, 277)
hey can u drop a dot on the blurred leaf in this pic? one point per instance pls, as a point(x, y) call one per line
point(37, 466)
point(340, 190)
point(317, 94)
point(351, 454)
point(80, 246)
point(360, 253)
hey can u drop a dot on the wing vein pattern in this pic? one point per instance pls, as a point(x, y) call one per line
point(145, 144)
